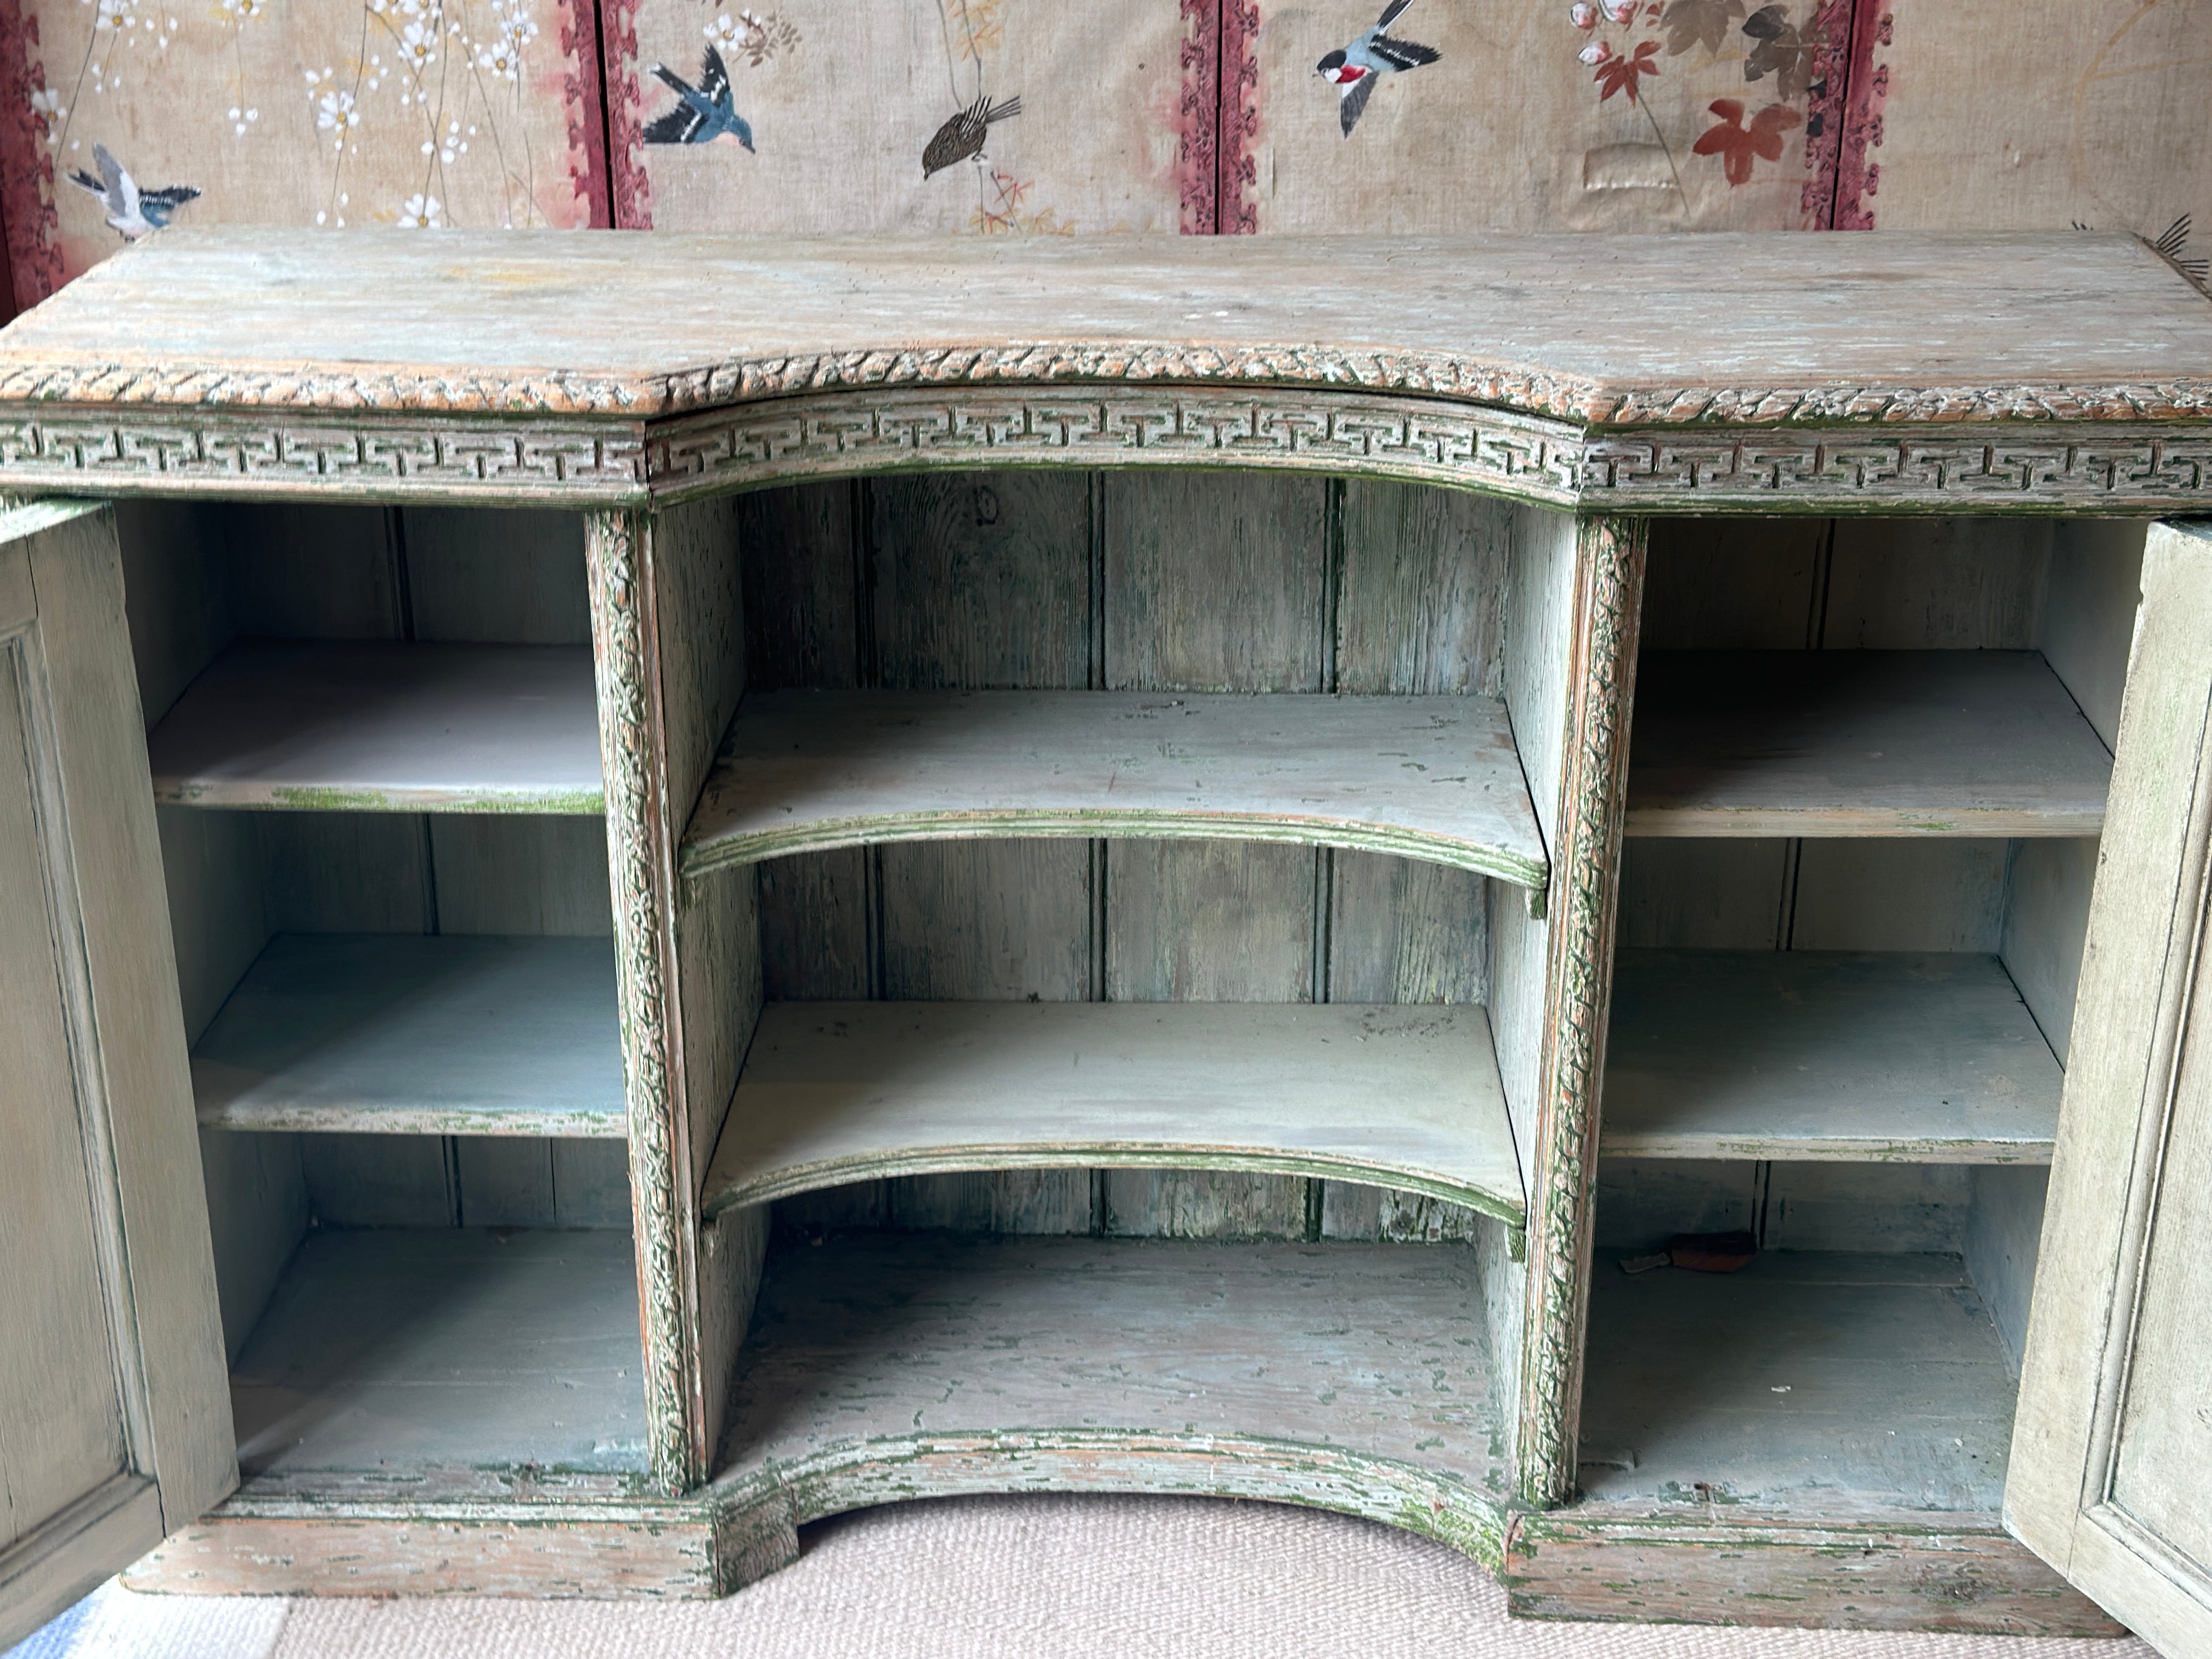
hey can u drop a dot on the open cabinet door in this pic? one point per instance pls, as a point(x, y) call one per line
point(114, 1406)
point(2111, 1478)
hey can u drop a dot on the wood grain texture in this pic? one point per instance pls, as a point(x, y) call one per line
point(907, 1368)
point(1858, 743)
point(392, 1349)
point(513, 577)
point(1810, 1385)
point(2110, 1425)
point(401, 1034)
point(357, 728)
point(1806, 1055)
point(1423, 777)
point(569, 322)
point(1928, 1572)
point(356, 1546)
point(1395, 1096)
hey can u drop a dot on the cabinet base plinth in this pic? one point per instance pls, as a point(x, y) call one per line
point(1946, 1572)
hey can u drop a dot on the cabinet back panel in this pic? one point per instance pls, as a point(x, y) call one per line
point(482, 576)
point(468, 1180)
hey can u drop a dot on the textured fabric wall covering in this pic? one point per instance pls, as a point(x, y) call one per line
point(308, 112)
point(1145, 115)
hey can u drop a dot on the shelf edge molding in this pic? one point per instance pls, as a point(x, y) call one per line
point(1402, 1097)
point(1432, 778)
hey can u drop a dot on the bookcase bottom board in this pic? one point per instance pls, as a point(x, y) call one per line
point(1348, 1376)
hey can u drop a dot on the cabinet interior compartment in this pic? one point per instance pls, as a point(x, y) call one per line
point(376, 757)
point(1850, 926)
point(1163, 1066)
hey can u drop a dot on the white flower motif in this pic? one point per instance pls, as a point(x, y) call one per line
point(246, 11)
point(421, 213)
point(113, 14)
point(418, 47)
point(517, 28)
point(499, 59)
point(336, 113)
point(47, 105)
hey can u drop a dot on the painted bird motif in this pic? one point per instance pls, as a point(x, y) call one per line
point(703, 114)
point(1354, 70)
point(132, 212)
point(962, 136)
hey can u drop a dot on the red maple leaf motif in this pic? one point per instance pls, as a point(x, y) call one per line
point(1618, 74)
point(1736, 143)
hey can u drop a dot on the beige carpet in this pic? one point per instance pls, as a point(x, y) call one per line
point(1073, 1576)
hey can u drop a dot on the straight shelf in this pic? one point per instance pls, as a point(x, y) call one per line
point(1356, 1376)
point(400, 1352)
point(1401, 1097)
point(1430, 778)
point(1818, 1054)
point(407, 1034)
point(1861, 743)
point(1813, 1383)
point(381, 727)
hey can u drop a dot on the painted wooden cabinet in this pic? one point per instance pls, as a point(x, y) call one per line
point(784, 875)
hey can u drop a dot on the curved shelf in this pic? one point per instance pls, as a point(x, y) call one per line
point(413, 1033)
point(1345, 1377)
point(1831, 1055)
point(1861, 743)
point(1430, 778)
point(1401, 1097)
point(349, 726)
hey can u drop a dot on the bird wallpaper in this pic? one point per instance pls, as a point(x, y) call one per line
point(126, 115)
point(1029, 117)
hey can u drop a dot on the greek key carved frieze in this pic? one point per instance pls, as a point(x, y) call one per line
point(215, 451)
point(2050, 468)
point(844, 432)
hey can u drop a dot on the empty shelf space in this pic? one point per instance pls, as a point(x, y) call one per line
point(1809, 1055)
point(1861, 743)
point(982, 1365)
point(1813, 1383)
point(408, 1352)
point(1433, 778)
point(404, 1034)
point(365, 726)
point(1407, 1098)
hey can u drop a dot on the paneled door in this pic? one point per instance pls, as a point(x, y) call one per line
point(114, 1411)
point(2112, 1445)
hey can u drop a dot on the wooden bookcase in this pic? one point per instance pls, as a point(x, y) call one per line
point(985, 869)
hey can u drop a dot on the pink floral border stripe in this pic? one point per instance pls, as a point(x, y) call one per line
point(632, 188)
point(1235, 214)
point(1858, 175)
point(27, 167)
point(1199, 119)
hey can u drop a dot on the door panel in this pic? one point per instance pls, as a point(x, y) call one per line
point(114, 1411)
point(2112, 1444)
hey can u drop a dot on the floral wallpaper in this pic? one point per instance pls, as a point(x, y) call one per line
point(1044, 118)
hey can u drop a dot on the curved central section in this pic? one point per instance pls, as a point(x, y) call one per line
point(1434, 778)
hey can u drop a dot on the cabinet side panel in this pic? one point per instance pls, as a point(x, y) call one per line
point(176, 595)
point(314, 572)
point(2004, 1229)
point(2046, 924)
point(2089, 613)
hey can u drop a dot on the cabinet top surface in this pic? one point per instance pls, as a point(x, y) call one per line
point(1600, 331)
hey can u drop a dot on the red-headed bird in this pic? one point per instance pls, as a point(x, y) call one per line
point(1354, 70)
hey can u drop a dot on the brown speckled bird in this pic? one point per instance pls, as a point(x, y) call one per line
point(962, 136)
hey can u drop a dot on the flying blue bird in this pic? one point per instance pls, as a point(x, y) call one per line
point(131, 211)
point(1354, 70)
point(704, 115)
